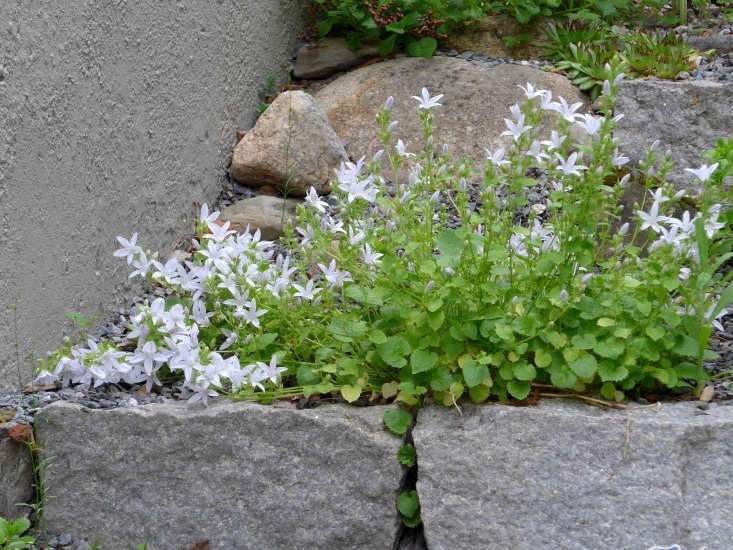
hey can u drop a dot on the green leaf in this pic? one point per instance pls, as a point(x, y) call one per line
point(518, 390)
point(542, 358)
point(422, 361)
point(612, 372)
point(306, 376)
point(557, 339)
point(686, 346)
point(434, 305)
point(440, 379)
point(562, 377)
point(450, 246)
point(630, 282)
point(79, 319)
point(609, 347)
point(605, 322)
point(583, 341)
point(394, 350)
point(407, 455)
point(355, 293)
point(480, 393)
point(504, 331)
point(411, 522)
point(655, 332)
point(435, 320)
point(523, 371)
point(585, 366)
point(474, 373)
point(408, 504)
point(422, 48)
point(351, 393)
point(608, 390)
point(387, 45)
point(644, 308)
point(398, 421)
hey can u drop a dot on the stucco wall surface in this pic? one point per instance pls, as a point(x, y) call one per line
point(115, 116)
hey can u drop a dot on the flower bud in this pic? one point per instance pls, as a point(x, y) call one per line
point(624, 180)
point(462, 185)
point(442, 169)
point(586, 278)
point(388, 103)
point(624, 229)
point(430, 140)
point(412, 179)
point(378, 155)
point(445, 148)
point(435, 196)
point(405, 196)
point(619, 79)
point(654, 145)
point(393, 126)
point(564, 295)
point(606, 87)
point(429, 286)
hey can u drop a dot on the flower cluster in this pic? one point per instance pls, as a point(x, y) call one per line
point(436, 283)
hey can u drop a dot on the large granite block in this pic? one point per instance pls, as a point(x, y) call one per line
point(240, 475)
point(555, 476)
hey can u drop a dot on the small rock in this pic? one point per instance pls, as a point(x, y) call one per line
point(81, 545)
point(263, 213)
point(683, 75)
point(329, 56)
point(293, 142)
point(65, 539)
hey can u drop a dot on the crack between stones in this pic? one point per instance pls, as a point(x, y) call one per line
point(409, 538)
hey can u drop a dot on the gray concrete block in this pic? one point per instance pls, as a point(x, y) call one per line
point(240, 475)
point(555, 476)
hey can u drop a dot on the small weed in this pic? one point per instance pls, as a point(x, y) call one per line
point(266, 94)
point(11, 534)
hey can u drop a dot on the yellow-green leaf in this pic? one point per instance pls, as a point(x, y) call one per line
point(351, 393)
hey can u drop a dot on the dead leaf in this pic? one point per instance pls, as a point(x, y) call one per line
point(707, 394)
point(203, 545)
point(22, 432)
point(30, 388)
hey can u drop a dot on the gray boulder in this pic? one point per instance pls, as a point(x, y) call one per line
point(686, 117)
point(330, 55)
point(16, 474)
point(556, 476)
point(262, 212)
point(237, 474)
point(292, 144)
point(471, 116)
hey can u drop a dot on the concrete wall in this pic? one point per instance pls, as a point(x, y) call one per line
point(115, 116)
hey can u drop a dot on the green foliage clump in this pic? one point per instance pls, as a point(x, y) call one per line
point(407, 455)
point(11, 534)
point(408, 504)
point(590, 54)
point(416, 24)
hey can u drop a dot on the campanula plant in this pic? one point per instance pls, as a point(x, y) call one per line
point(435, 283)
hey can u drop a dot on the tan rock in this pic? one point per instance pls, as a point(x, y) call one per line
point(329, 56)
point(263, 212)
point(292, 142)
point(471, 116)
point(487, 36)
